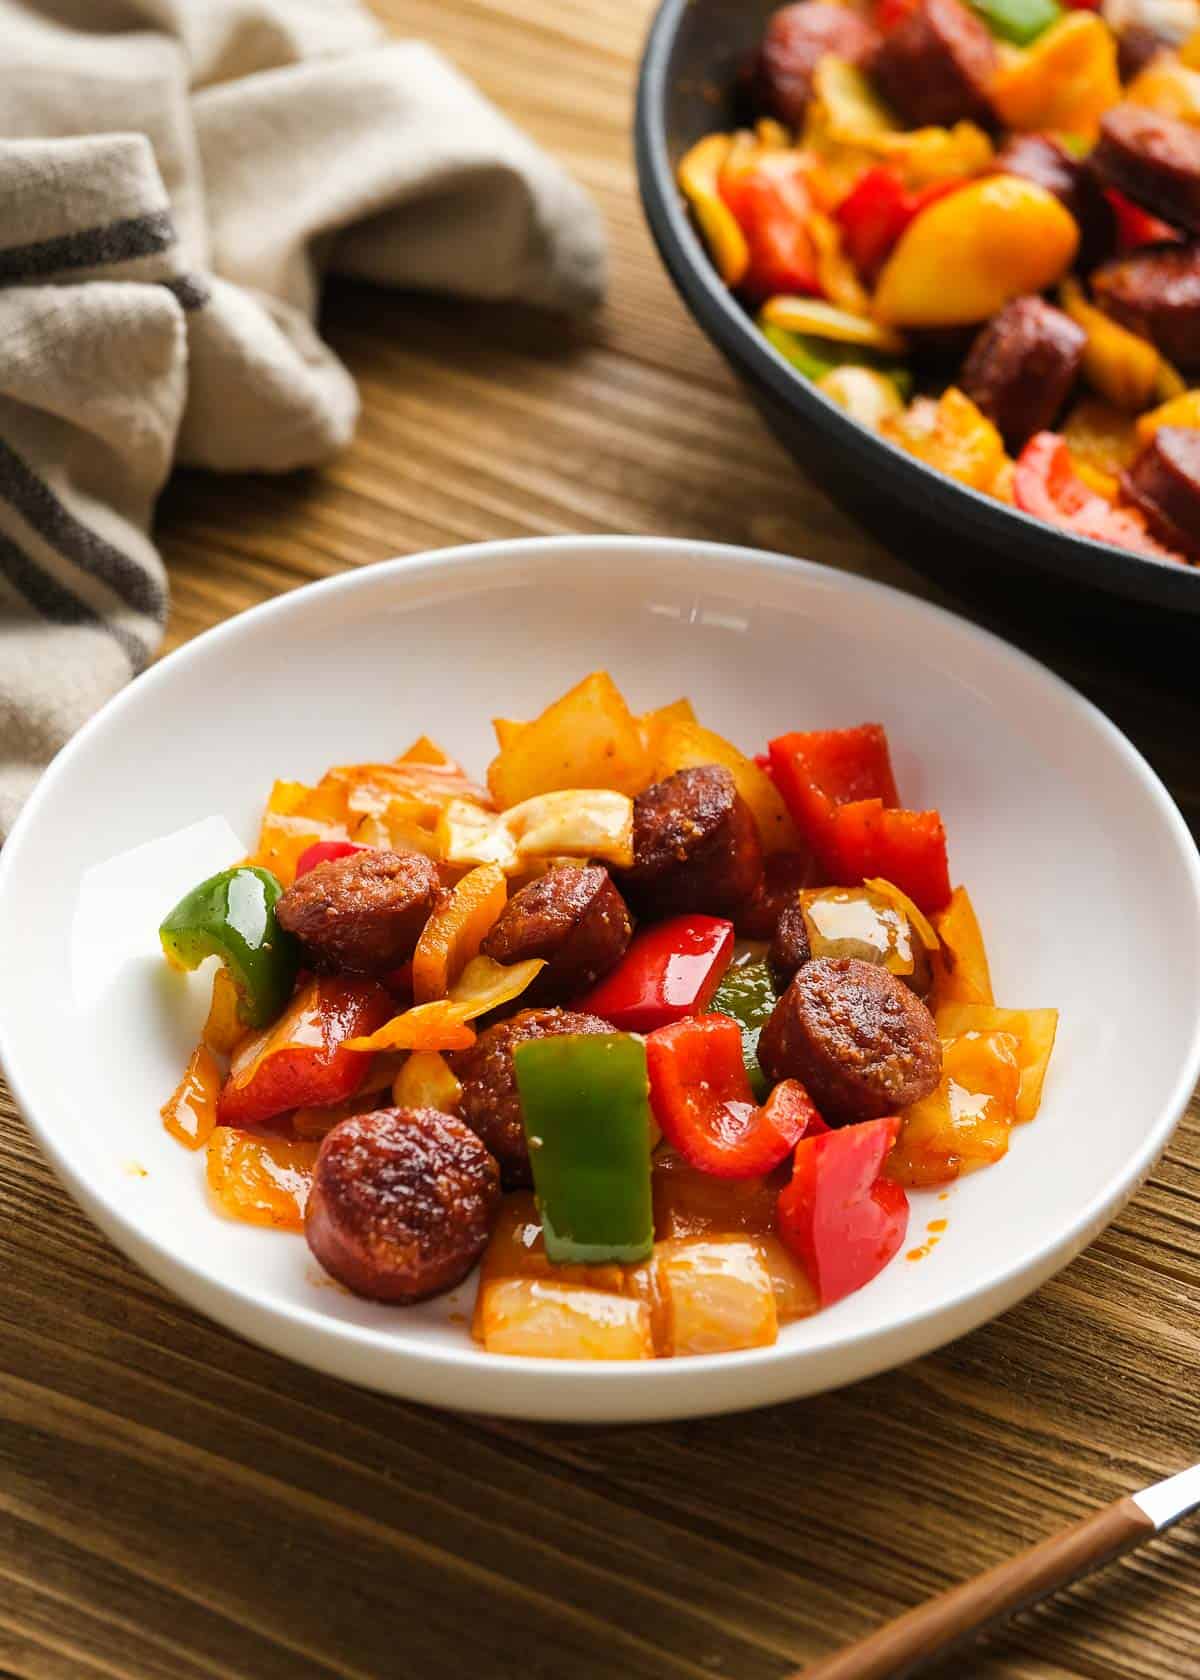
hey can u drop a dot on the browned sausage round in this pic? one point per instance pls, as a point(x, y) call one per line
point(789, 949)
point(796, 38)
point(858, 1040)
point(1041, 159)
point(1153, 159)
point(1156, 292)
point(401, 1203)
point(784, 876)
point(1022, 366)
point(362, 913)
point(573, 918)
point(490, 1102)
point(1164, 482)
point(935, 65)
point(695, 846)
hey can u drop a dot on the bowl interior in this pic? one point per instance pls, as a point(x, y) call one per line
point(1083, 874)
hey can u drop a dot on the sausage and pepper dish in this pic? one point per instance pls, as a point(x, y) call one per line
point(660, 1034)
point(975, 225)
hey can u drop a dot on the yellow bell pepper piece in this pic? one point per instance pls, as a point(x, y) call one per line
point(772, 136)
point(442, 1024)
point(1034, 1030)
point(1180, 411)
point(869, 396)
point(1189, 52)
point(837, 274)
point(927, 155)
point(960, 968)
point(1066, 80)
point(951, 435)
point(1100, 436)
point(655, 724)
point(845, 106)
point(425, 1081)
point(968, 254)
point(455, 931)
point(699, 174)
point(823, 320)
point(587, 738)
point(1169, 86)
point(1117, 363)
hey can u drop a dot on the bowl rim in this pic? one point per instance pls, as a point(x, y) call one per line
point(1083, 559)
point(667, 1388)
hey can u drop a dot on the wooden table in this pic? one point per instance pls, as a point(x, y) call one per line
point(175, 1504)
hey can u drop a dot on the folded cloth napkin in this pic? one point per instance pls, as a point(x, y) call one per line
point(175, 178)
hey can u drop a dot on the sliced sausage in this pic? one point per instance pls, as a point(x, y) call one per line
point(1022, 366)
point(784, 876)
point(575, 919)
point(490, 1102)
point(1156, 292)
point(862, 1044)
point(1038, 158)
point(695, 846)
point(796, 39)
point(1164, 482)
point(401, 1203)
point(362, 913)
point(935, 65)
point(789, 949)
point(1153, 159)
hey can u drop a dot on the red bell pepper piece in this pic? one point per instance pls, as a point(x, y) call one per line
point(820, 770)
point(876, 211)
point(841, 1220)
point(907, 848)
point(700, 1095)
point(838, 786)
point(324, 851)
point(771, 200)
point(889, 13)
point(1136, 226)
point(670, 970)
point(1046, 485)
point(299, 1062)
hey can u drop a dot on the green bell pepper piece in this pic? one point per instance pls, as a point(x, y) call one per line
point(815, 357)
point(1018, 21)
point(747, 994)
point(585, 1105)
point(232, 916)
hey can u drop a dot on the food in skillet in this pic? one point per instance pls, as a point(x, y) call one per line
point(975, 225)
point(661, 1034)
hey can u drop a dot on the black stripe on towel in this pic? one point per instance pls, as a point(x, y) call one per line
point(193, 293)
point(98, 247)
point(56, 604)
point(40, 507)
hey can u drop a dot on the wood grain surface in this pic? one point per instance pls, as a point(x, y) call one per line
point(177, 1505)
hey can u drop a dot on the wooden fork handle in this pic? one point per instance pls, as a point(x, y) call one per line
point(934, 1628)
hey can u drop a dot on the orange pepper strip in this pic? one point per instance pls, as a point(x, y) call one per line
point(264, 1181)
point(484, 985)
point(190, 1113)
point(455, 931)
point(223, 1031)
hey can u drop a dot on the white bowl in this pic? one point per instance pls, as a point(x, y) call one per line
point(1084, 876)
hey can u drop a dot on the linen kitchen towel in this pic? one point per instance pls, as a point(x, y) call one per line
point(175, 178)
